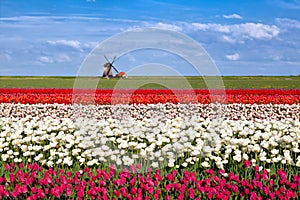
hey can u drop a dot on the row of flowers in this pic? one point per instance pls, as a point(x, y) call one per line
point(32, 181)
point(155, 142)
point(153, 91)
point(168, 110)
point(244, 92)
point(126, 96)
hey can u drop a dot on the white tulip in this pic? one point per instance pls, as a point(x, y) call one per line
point(274, 151)
point(205, 164)
point(10, 152)
point(154, 164)
point(4, 157)
point(59, 161)
point(245, 157)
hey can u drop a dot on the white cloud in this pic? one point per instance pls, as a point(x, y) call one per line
point(45, 59)
point(90, 45)
point(229, 39)
point(74, 44)
point(288, 23)
point(54, 59)
point(233, 16)
point(257, 31)
point(276, 57)
point(233, 57)
point(63, 58)
point(289, 4)
point(131, 58)
point(5, 57)
point(241, 31)
point(170, 27)
point(70, 43)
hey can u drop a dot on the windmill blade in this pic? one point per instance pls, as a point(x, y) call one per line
point(106, 59)
point(115, 68)
point(113, 60)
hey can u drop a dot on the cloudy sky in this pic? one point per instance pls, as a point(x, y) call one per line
point(242, 37)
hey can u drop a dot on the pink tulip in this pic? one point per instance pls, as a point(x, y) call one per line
point(33, 190)
point(138, 166)
point(209, 195)
point(112, 170)
point(80, 193)
point(133, 191)
point(150, 190)
point(266, 190)
point(7, 167)
point(133, 181)
point(272, 195)
point(168, 187)
point(116, 193)
point(174, 172)
point(281, 189)
point(253, 196)
point(156, 196)
point(40, 193)
point(247, 164)
point(12, 178)
point(123, 192)
point(15, 194)
point(290, 194)
point(46, 190)
point(133, 168)
point(209, 171)
point(140, 194)
point(191, 193)
point(168, 197)
point(85, 170)
point(235, 188)
point(69, 192)
point(170, 177)
point(20, 165)
point(182, 188)
point(56, 192)
point(33, 197)
point(281, 173)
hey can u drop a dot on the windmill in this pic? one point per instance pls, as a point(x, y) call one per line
point(108, 72)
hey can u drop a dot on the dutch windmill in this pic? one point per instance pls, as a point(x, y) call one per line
point(108, 69)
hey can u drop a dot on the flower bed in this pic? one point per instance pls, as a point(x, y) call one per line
point(195, 151)
point(66, 96)
point(35, 182)
point(141, 111)
point(177, 141)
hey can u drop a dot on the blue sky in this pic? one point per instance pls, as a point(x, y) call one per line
point(242, 37)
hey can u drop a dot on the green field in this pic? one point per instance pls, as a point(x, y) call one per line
point(230, 82)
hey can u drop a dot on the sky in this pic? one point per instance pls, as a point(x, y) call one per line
point(249, 37)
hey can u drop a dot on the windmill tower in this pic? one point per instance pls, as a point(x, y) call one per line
point(107, 71)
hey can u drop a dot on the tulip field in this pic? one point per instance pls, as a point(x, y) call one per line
point(151, 144)
point(151, 96)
